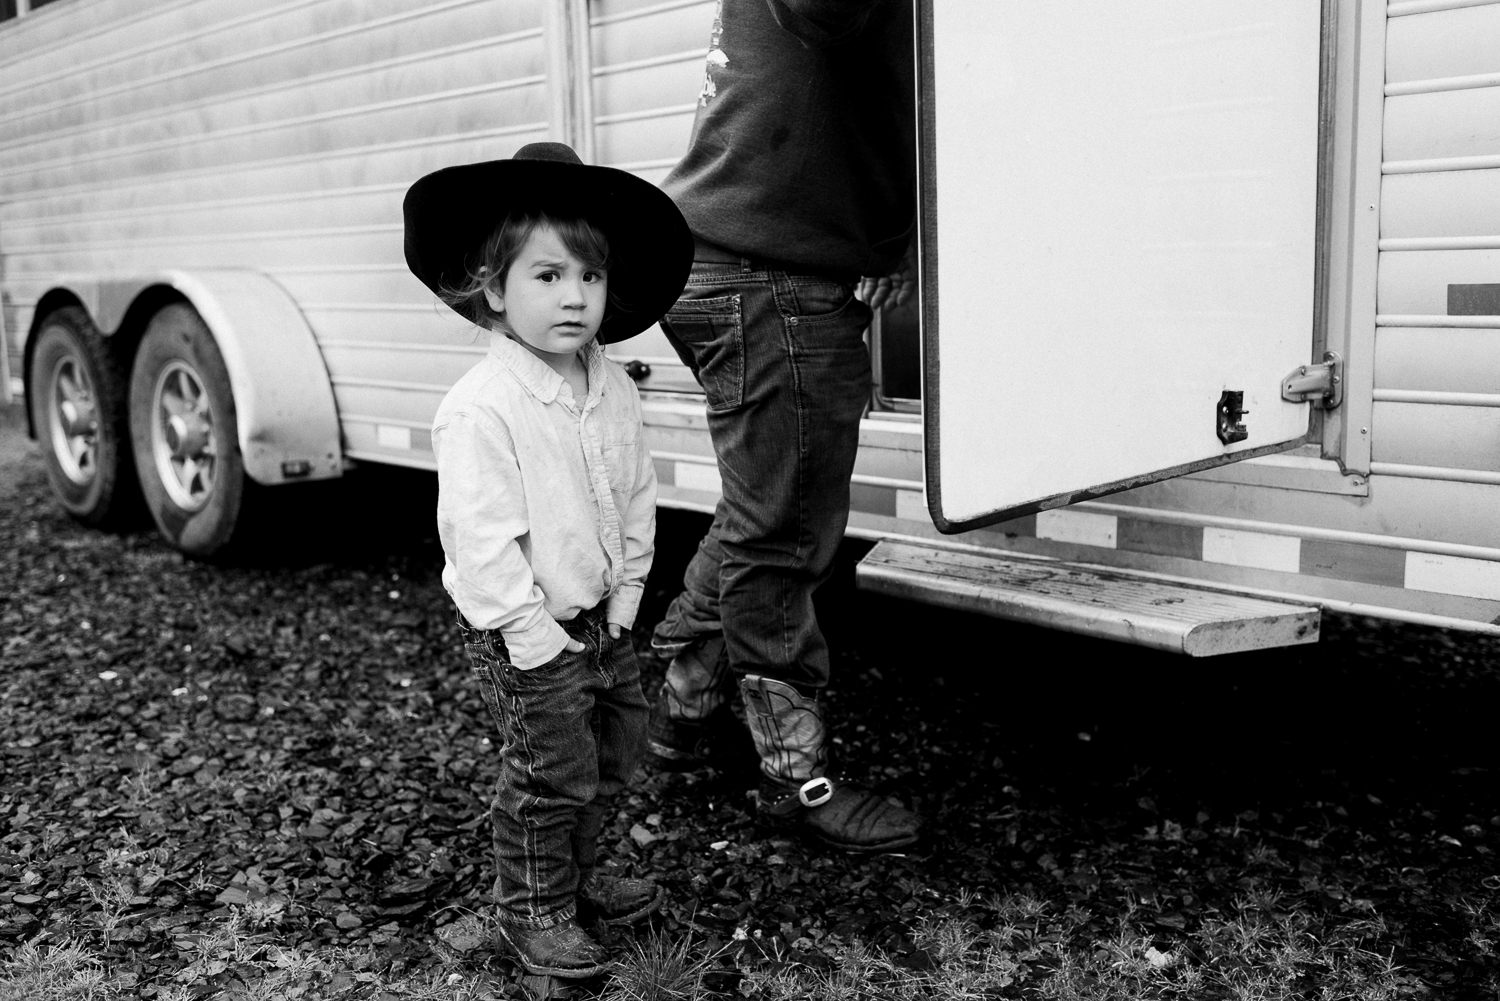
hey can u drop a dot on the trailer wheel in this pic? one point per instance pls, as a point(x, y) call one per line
point(78, 407)
point(184, 433)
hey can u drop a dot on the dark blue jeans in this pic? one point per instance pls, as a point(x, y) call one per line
point(572, 733)
point(782, 360)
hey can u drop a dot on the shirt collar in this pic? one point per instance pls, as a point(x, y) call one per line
point(540, 378)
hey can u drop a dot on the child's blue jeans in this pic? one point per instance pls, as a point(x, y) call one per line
point(572, 733)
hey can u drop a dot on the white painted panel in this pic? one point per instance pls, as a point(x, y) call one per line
point(1252, 549)
point(674, 29)
point(911, 505)
point(382, 284)
point(1416, 282)
point(643, 139)
point(661, 86)
point(1079, 527)
point(1453, 575)
point(697, 476)
point(390, 47)
point(1447, 43)
point(393, 161)
point(649, 71)
point(219, 134)
point(390, 404)
point(351, 208)
point(388, 436)
point(1424, 434)
point(437, 325)
point(438, 367)
point(1438, 358)
point(610, 9)
point(1446, 203)
point(322, 99)
point(239, 38)
point(1448, 123)
point(92, 24)
point(1155, 241)
point(461, 113)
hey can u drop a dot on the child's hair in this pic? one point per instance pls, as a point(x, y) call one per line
point(489, 265)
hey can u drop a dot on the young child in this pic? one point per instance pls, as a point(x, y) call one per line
point(547, 509)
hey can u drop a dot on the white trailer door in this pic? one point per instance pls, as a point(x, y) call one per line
point(1119, 226)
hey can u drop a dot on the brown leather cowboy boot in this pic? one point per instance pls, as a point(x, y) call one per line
point(794, 791)
point(696, 686)
point(617, 900)
point(562, 950)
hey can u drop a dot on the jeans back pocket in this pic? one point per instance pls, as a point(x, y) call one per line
point(712, 330)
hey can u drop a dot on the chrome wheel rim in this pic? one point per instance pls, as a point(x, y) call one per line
point(183, 440)
point(73, 419)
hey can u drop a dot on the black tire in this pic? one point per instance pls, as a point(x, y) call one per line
point(77, 393)
point(185, 435)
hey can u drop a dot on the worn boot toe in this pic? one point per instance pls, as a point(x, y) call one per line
point(617, 900)
point(842, 814)
point(563, 950)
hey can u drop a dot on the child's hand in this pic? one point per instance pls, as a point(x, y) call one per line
point(614, 630)
point(574, 646)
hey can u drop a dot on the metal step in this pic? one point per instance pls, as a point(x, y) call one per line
point(1095, 601)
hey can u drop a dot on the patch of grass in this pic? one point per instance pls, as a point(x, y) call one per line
point(1021, 947)
point(1011, 946)
point(263, 971)
point(655, 969)
point(67, 971)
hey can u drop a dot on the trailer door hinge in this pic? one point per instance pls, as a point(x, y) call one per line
point(1322, 384)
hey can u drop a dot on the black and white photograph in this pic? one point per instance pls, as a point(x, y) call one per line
point(658, 500)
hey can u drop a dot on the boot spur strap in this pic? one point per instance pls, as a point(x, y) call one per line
point(813, 793)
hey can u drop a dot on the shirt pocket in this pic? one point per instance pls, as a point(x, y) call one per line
point(712, 330)
point(621, 442)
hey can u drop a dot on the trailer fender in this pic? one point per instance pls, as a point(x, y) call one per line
point(283, 399)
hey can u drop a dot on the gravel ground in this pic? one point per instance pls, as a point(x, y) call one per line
point(291, 746)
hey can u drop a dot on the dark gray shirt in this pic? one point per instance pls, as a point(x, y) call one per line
point(803, 150)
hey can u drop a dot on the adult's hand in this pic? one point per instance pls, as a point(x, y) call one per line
point(887, 290)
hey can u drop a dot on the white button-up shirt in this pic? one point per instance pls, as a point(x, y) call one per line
point(545, 507)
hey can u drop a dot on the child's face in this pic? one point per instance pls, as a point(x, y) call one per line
point(551, 301)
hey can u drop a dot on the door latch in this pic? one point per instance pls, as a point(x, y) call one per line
point(1321, 384)
point(1227, 417)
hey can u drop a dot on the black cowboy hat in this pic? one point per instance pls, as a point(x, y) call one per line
point(451, 212)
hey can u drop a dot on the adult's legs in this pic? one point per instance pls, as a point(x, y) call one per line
point(784, 367)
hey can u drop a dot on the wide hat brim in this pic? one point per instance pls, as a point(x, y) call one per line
point(451, 212)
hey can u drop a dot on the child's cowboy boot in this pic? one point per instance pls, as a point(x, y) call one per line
point(563, 950)
point(693, 692)
point(794, 792)
point(617, 900)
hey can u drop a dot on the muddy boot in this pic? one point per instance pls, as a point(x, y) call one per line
point(696, 687)
point(794, 792)
point(563, 950)
point(617, 900)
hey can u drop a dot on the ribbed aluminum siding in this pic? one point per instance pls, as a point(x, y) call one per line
point(1437, 377)
point(277, 136)
point(648, 66)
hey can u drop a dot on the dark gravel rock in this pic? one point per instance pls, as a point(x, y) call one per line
point(300, 734)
